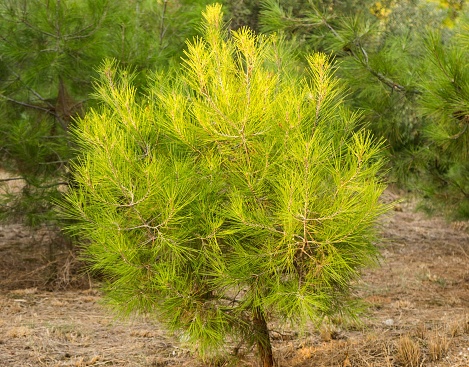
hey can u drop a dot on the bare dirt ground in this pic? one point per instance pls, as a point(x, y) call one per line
point(418, 316)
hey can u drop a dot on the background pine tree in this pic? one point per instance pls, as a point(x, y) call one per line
point(49, 53)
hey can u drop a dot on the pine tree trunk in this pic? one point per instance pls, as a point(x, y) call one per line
point(262, 338)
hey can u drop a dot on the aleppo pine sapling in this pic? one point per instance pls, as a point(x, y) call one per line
point(233, 192)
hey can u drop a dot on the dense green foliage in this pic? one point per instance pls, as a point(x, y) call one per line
point(378, 52)
point(232, 192)
point(49, 53)
point(443, 161)
point(410, 84)
point(50, 50)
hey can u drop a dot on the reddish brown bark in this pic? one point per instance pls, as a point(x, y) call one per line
point(263, 339)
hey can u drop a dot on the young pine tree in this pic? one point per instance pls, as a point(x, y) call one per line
point(233, 193)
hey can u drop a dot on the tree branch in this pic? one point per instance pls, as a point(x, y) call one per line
point(12, 179)
point(163, 17)
point(24, 104)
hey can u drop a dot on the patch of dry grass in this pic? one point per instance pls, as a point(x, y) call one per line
point(408, 352)
point(18, 332)
point(438, 345)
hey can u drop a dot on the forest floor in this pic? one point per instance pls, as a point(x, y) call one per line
point(51, 315)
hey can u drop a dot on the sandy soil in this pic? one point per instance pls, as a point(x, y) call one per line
point(418, 316)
